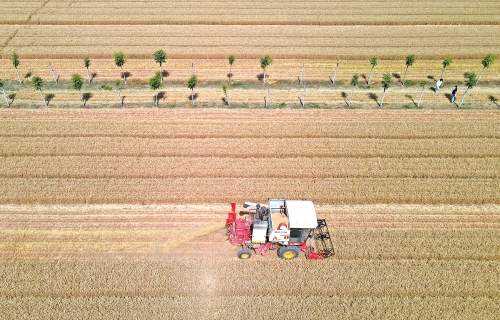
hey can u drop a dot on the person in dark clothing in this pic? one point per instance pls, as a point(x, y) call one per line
point(454, 94)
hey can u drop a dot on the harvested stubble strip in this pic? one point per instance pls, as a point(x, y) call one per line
point(270, 124)
point(171, 167)
point(195, 42)
point(196, 190)
point(184, 276)
point(193, 307)
point(250, 147)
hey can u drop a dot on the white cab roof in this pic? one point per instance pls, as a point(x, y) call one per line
point(301, 214)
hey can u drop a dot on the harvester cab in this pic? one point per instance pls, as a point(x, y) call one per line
point(288, 226)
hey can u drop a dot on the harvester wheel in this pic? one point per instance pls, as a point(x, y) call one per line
point(244, 254)
point(288, 253)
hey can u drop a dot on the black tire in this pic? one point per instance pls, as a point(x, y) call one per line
point(288, 252)
point(244, 254)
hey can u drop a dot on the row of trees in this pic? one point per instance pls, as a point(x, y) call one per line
point(471, 78)
point(160, 57)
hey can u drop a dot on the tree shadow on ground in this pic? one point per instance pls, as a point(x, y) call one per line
point(49, 97)
point(260, 76)
point(364, 78)
point(93, 75)
point(374, 97)
point(126, 75)
point(409, 96)
point(494, 100)
point(344, 95)
point(397, 76)
point(11, 97)
point(86, 97)
point(165, 74)
point(192, 97)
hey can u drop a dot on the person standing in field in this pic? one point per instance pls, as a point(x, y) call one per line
point(454, 94)
point(438, 85)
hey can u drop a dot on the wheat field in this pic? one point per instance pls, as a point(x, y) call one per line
point(120, 213)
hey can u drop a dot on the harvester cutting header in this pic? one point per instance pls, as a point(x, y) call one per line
point(288, 226)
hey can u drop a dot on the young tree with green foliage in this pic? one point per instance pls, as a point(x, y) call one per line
point(155, 84)
point(386, 84)
point(487, 62)
point(14, 58)
point(409, 61)
point(38, 84)
point(160, 57)
point(231, 59)
point(265, 62)
point(191, 84)
point(120, 60)
point(373, 63)
point(471, 81)
point(77, 84)
point(446, 63)
point(86, 64)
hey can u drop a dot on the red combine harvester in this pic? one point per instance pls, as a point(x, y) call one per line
point(288, 226)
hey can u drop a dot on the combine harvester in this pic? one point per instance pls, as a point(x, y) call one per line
point(288, 226)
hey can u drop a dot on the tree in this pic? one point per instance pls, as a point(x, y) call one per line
point(77, 84)
point(38, 84)
point(14, 58)
point(86, 64)
point(487, 61)
point(191, 84)
point(160, 57)
point(155, 84)
point(231, 59)
point(471, 81)
point(120, 62)
point(410, 60)
point(386, 84)
point(423, 84)
point(265, 62)
point(354, 84)
point(373, 63)
point(446, 63)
